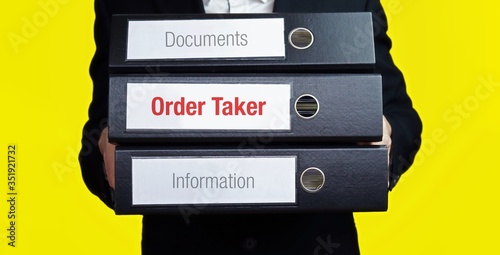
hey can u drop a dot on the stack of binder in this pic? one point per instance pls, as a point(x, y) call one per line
point(246, 113)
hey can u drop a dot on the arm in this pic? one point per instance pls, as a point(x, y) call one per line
point(95, 141)
point(91, 159)
point(398, 110)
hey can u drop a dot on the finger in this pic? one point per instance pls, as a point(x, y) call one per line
point(108, 153)
point(109, 163)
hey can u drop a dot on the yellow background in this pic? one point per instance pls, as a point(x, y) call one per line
point(446, 204)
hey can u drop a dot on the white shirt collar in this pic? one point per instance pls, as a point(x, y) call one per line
point(208, 1)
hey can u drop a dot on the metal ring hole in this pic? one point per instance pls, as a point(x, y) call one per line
point(301, 38)
point(312, 179)
point(306, 106)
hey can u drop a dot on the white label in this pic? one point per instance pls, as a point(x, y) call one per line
point(208, 106)
point(191, 39)
point(203, 180)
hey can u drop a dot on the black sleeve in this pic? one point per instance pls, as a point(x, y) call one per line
point(91, 161)
point(405, 122)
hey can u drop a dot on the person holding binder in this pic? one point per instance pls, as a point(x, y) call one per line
point(318, 233)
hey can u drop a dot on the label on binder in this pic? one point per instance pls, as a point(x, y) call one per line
point(185, 106)
point(213, 180)
point(206, 38)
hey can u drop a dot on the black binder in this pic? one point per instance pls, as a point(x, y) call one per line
point(271, 180)
point(316, 70)
point(323, 42)
point(318, 108)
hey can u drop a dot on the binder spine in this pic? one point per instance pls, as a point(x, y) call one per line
point(284, 108)
point(335, 48)
point(355, 179)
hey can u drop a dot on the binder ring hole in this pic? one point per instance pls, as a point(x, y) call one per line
point(312, 179)
point(301, 38)
point(306, 106)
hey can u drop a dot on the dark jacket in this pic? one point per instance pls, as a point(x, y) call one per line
point(300, 232)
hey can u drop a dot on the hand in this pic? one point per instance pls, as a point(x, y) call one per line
point(386, 137)
point(108, 153)
point(386, 140)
